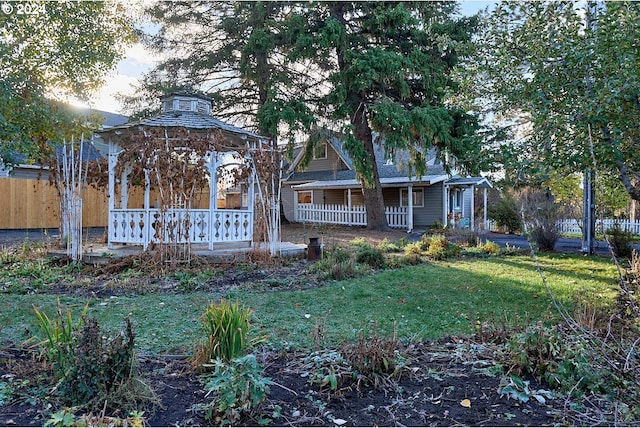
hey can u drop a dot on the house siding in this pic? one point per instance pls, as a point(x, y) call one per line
point(432, 210)
point(333, 162)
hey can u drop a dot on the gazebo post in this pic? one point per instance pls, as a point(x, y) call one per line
point(113, 160)
point(212, 166)
point(251, 198)
point(147, 213)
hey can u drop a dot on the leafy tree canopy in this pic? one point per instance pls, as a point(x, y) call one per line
point(58, 49)
point(566, 81)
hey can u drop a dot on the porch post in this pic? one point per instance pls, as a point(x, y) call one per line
point(445, 205)
point(349, 206)
point(212, 166)
point(472, 214)
point(410, 208)
point(484, 211)
point(296, 214)
point(251, 202)
point(113, 160)
point(147, 214)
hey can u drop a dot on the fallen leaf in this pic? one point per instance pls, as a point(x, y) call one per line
point(466, 403)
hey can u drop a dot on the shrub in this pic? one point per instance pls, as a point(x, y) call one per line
point(440, 248)
point(620, 241)
point(373, 357)
point(545, 236)
point(90, 368)
point(490, 247)
point(387, 246)
point(371, 256)
point(226, 326)
point(61, 338)
point(414, 248)
point(536, 350)
point(506, 215)
point(238, 389)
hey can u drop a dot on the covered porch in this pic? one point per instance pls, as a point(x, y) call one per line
point(459, 208)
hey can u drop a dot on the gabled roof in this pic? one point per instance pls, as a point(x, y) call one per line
point(390, 173)
point(479, 182)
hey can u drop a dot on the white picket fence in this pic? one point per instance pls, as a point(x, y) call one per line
point(355, 215)
point(602, 225)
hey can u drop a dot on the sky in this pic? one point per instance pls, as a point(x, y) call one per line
point(139, 60)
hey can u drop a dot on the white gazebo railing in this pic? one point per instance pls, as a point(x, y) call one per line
point(356, 215)
point(196, 226)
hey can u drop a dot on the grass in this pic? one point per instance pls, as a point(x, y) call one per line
point(424, 302)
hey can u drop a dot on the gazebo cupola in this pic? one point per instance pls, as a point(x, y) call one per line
point(185, 117)
point(185, 102)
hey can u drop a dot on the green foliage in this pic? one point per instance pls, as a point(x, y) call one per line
point(61, 338)
point(374, 257)
point(506, 215)
point(387, 246)
point(536, 350)
point(620, 241)
point(238, 387)
point(489, 247)
point(66, 418)
point(101, 368)
point(226, 326)
point(440, 248)
point(561, 86)
point(90, 369)
point(327, 369)
point(6, 392)
point(64, 49)
point(518, 389)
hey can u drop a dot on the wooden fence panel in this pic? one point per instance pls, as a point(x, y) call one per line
point(34, 204)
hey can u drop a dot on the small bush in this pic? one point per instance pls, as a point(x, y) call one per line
point(226, 326)
point(536, 350)
point(506, 215)
point(388, 247)
point(61, 338)
point(372, 358)
point(545, 236)
point(327, 369)
point(414, 248)
point(238, 388)
point(490, 247)
point(620, 241)
point(371, 256)
point(440, 248)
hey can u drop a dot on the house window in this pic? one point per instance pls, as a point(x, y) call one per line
point(418, 197)
point(184, 105)
point(320, 151)
point(305, 197)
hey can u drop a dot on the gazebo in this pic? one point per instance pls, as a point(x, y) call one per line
point(179, 221)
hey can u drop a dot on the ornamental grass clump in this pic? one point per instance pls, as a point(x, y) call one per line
point(226, 326)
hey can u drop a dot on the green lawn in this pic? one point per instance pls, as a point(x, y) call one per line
point(423, 302)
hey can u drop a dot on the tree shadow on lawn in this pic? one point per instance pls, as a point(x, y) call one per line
point(545, 267)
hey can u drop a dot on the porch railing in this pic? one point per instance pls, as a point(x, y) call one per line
point(355, 215)
point(142, 227)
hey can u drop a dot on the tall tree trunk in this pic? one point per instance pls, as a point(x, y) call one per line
point(372, 192)
point(371, 189)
